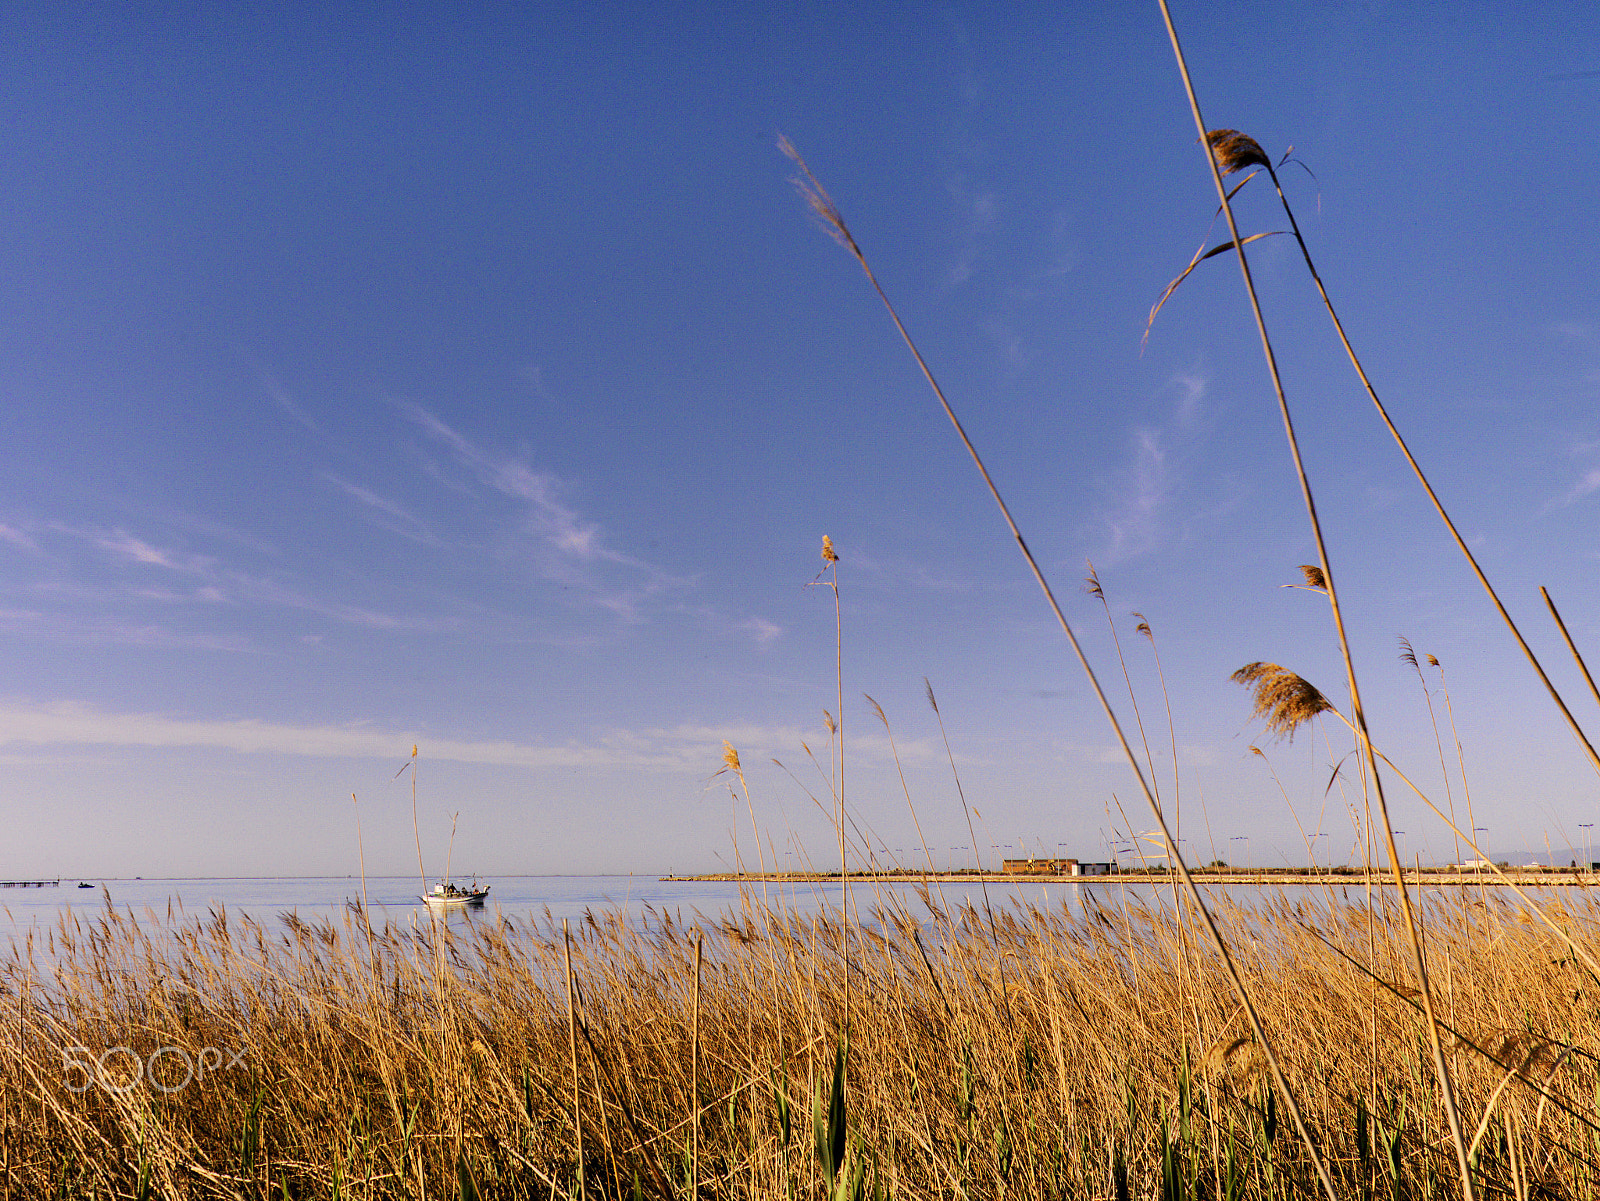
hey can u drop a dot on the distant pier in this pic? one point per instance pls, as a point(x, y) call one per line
point(1529, 876)
point(30, 883)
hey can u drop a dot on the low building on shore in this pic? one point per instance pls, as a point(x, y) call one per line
point(1054, 867)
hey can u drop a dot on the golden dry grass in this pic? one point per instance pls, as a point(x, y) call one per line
point(1042, 1053)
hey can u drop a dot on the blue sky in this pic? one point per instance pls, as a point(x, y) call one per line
point(379, 375)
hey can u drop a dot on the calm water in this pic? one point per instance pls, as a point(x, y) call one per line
point(394, 898)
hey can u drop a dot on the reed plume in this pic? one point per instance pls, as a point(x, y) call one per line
point(1408, 656)
point(1313, 577)
point(1282, 699)
point(1236, 151)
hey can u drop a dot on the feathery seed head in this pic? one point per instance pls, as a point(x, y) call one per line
point(1091, 584)
point(817, 198)
point(933, 702)
point(1407, 655)
point(1239, 1059)
point(1236, 151)
point(827, 720)
point(1314, 577)
point(828, 555)
point(1525, 1052)
point(1144, 626)
point(1283, 700)
point(1432, 662)
point(730, 756)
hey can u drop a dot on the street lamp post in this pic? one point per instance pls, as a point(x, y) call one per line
point(1480, 856)
point(1311, 846)
point(1244, 838)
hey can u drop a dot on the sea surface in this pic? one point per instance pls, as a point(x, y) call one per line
point(395, 899)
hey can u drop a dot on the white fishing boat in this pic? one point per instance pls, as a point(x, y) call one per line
point(446, 895)
point(452, 896)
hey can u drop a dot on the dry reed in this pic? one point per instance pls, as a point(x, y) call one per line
point(618, 1077)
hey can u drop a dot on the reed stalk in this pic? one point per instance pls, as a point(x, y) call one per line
point(416, 830)
point(916, 821)
point(1172, 729)
point(822, 205)
point(694, 1073)
point(1555, 615)
point(572, 1047)
point(1416, 468)
point(830, 568)
point(1409, 656)
point(1357, 712)
point(1092, 586)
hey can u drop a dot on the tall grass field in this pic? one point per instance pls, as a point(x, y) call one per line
point(975, 1053)
point(1362, 1039)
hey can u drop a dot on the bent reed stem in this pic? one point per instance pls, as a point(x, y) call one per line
point(1572, 646)
point(1358, 714)
point(1433, 497)
point(824, 207)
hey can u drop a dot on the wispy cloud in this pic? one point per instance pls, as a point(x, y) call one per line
point(571, 549)
point(1141, 492)
point(533, 375)
point(977, 207)
point(212, 584)
point(1063, 242)
point(686, 747)
point(384, 513)
point(1580, 451)
point(286, 402)
point(124, 545)
point(1132, 518)
point(17, 538)
point(979, 213)
point(241, 587)
point(111, 631)
point(1191, 388)
point(762, 630)
point(1586, 485)
point(1008, 344)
